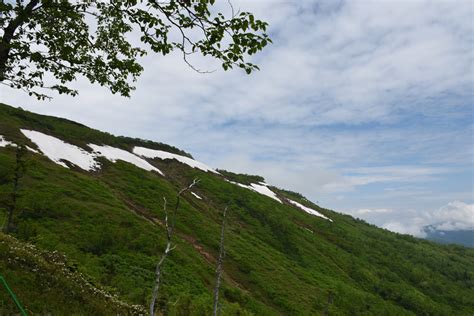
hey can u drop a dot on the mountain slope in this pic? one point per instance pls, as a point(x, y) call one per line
point(280, 259)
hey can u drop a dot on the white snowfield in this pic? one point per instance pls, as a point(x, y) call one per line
point(308, 210)
point(259, 188)
point(160, 154)
point(58, 151)
point(196, 196)
point(4, 142)
point(113, 154)
point(263, 189)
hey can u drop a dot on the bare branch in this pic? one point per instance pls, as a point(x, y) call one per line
point(178, 200)
point(233, 15)
point(195, 181)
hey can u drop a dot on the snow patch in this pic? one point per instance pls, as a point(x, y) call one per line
point(152, 153)
point(32, 150)
point(196, 196)
point(4, 142)
point(240, 184)
point(307, 209)
point(57, 150)
point(60, 151)
point(261, 188)
point(113, 154)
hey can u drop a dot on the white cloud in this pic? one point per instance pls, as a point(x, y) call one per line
point(367, 211)
point(456, 215)
point(413, 228)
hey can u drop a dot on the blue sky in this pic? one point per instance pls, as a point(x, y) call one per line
point(363, 106)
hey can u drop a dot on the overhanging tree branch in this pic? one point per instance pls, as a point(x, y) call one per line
point(102, 48)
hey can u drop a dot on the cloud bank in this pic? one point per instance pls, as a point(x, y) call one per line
point(453, 216)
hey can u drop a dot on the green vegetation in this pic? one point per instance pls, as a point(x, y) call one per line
point(48, 283)
point(240, 177)
point(55, 37)
point(279, 260)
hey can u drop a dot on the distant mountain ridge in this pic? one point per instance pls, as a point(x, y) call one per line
point(94, 201)
point(460, 237)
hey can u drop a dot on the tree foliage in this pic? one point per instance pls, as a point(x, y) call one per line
point(103, 40)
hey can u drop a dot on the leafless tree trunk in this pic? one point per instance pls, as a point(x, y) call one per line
point(169, 247)
point(160, 263)
point(330, 300)
point(220, 260)
point(18, 174)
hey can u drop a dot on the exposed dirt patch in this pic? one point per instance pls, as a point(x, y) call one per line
point(140, 211)
point(209, 258)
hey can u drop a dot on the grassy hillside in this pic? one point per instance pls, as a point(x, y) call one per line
point(279, 259)
point(46, 283)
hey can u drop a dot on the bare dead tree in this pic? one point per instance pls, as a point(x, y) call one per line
point(168, 249)
point(17, 175)
point(329, 302)
point(169, 246)
point(220, 260)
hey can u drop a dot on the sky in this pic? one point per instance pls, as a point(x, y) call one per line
point(364, 107)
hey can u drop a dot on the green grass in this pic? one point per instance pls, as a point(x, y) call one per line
point(280, 260)
point(45, 282)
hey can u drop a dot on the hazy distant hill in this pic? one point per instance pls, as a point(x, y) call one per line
point(460, 237)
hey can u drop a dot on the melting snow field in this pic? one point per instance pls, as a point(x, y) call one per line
point(113, 154)
point(259, 188)
point(308, 210)
point(60, 151)
point(4, 142)
point(263, 189)
point(57, 150)
point(152, 153)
